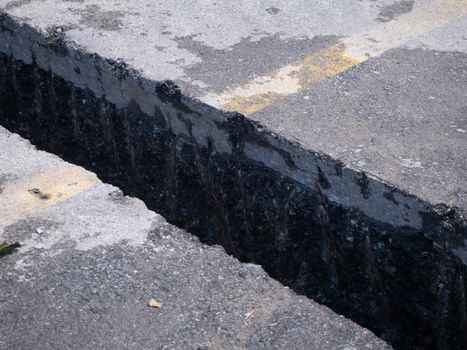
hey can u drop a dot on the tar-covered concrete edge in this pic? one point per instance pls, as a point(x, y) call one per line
point(387, 259)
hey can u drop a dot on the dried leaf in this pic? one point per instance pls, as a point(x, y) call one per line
point(6, 248)
point(155, 303)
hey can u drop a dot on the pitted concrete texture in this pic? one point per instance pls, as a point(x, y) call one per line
point(91, 259)
point(379, 85)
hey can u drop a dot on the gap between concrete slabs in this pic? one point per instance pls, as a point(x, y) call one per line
point(91, 259)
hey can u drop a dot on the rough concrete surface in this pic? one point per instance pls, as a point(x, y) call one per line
point(210, 48)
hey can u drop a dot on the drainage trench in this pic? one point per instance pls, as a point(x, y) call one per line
point(400, 282)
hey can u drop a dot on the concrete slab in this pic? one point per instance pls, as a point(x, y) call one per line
point(380, 85)
point(91, 259)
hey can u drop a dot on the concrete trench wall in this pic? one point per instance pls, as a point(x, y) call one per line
point(367, 250)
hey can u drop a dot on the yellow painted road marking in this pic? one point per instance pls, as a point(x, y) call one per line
point(29, 196)
point(264, 91)
point(295, 77)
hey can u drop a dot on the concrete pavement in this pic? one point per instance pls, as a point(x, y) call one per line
point(291, 61)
